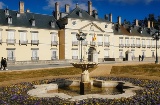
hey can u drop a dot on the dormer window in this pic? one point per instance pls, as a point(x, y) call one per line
point(33, 23)
point(52, 24)
point(6, 11)
point(18, 14)
point(140, 30)
point(80, 13)
point(9, 20)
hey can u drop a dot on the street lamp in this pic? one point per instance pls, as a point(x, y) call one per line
point(80, 37)
point(156, 37)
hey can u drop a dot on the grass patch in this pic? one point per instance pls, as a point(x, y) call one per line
point(15, 75)
point(145, 69)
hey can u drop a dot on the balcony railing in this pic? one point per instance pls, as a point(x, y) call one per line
point(23, 42)
point(54, 43)
point(84, 43)
point(121, 45)
point(92, 43)
point(0, 41)
point(133, 45)
point(34, 42)
point(100, 43)
point(143, 46)
point(34, 58)
point(54, 57)
point(11, 59)
point(127, 45)
point(106, 44)
point(74, 57)
point(74, 43)
point(148, 46)
point(153, 46)
point(11, 41)
point(138, 45)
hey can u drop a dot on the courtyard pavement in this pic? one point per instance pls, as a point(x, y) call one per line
point(107, 65)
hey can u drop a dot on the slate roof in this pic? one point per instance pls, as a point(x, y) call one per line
point(41, 21)
point(85, 15)
point(135, 30)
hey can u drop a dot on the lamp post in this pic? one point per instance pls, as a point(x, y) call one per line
point(80, 37)
point(156, 37)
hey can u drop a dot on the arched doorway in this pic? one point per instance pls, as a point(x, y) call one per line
point(92, 55)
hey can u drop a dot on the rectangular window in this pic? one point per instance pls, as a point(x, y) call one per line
point(106, 39)
point(138, 41)
point(127, 41)
point(23, 36)
point(54, 54)
point(11, 55)
point(100, 40)
point(75, 54)
point(35, 55)
point(120, 41)
point(34, 36)
point(106, 53)
point(120, 54)
point(10, 34)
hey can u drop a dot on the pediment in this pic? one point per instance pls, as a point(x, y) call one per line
point(92, 27)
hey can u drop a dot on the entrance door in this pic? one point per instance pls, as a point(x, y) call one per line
point(92, 54)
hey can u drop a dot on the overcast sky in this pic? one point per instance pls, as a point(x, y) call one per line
point(127, 9)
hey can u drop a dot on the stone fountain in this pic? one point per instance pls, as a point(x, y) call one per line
point(85, 83)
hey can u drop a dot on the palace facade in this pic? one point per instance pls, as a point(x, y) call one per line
point(28, 37)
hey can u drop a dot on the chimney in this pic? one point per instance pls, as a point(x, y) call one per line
point(119, 20)
point(90, 7)
point(67, 8)
point(110, 17)
point(57, 14)
point(95, 14)
point(152, 24)
point(21, 7)
point(149, 24)
point(27, 10)
point(136, 22)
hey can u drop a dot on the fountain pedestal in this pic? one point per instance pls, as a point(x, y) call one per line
point(85, 84)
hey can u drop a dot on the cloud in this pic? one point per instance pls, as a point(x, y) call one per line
point(1, 5)
point(132, 1)
point(83, 4)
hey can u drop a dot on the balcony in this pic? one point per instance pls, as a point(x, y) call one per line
point(54, 43)
point(74, 43)
point(133, 45)
point(34, 58)
point(138, 45)
point(143, 46)
point(74, 57)
point(121, 45)
point(92, 43)
point(100, 43)
point(11, 59)
point(54, 57)
point(107, 44)
point(23, 42)
point(148, 46)
point(84, 43)
point(34, 42)
point(127, 45)
point(11, 41)
point(153, 46)
point(1, 41)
